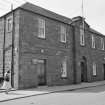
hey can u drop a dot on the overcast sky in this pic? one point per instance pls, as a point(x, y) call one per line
point(94, 10)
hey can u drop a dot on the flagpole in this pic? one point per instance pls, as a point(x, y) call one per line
point(82, 9)
point(11, 6)
point(83, 16)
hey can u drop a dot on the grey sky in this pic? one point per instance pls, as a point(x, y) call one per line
point(94, 10)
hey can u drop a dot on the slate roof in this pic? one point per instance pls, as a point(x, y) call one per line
point(39, 10)
point(79, 18)
point(45, 12)
point(94, 31)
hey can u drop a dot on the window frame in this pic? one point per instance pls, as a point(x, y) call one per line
point(9, 24)
point(82, 36)
point(93, 41)
point(41, 26)
point(63, 34)
point(102, 43)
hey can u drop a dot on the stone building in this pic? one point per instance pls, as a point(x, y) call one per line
point(43, 48)
point(36, 45)
point(89, 53)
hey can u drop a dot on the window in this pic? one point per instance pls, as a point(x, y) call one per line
point(64, 68)
point(82, 39)
point(94, 69)
point(93, 41)
point(63, 34)
point(102, 44)
point(9, 24)
point(41, 28)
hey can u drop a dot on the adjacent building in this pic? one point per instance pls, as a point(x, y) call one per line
point(89, 52)
point(43, 48)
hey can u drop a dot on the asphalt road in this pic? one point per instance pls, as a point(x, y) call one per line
point(87, 96)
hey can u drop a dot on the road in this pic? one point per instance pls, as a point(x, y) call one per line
point(87, 96)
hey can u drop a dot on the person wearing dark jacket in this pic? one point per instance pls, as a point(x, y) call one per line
point(7, 83)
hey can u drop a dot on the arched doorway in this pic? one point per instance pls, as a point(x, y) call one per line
point(83, 65)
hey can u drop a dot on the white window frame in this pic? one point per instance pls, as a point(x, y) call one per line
point(64, 68)
point(9, 24)
point(82, 37)
point(94, 69)
point(63, 34)
point(93, 41)
point(41, 28)
point(102, 44)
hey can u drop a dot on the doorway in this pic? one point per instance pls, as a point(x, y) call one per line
point(41, 72)
point(83, 69)
point(104, 70)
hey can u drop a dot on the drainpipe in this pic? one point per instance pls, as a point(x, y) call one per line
point(4, 46)
point(12, 62)
point(74, 55)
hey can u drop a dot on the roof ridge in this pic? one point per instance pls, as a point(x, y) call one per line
point(45, 12)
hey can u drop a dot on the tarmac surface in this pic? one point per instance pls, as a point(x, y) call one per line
point(17, 94)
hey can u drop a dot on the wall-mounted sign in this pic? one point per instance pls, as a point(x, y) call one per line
point(35, 61)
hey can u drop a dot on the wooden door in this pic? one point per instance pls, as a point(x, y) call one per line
point(41, 72)
point(83, 72)
point(104, 70)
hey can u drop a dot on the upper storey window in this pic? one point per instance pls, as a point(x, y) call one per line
point(9, 24)
point(93, 41)
point(41, 28)
point(63, 34)
point(102, 44)
point(82, 39)
point(94, 69)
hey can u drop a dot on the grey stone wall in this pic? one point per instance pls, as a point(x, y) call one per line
point(53, 50)
point(92, 55)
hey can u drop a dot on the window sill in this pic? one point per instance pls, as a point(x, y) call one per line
point(98, 49)
point(94, 75)
point(63, 77)
point(102, 49)
point(63, 42)
point(9, 31)
point(41, 38)
point(82, 45)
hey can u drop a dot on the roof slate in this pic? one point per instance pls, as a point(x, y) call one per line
point(45, 12)
point(94, 31)
point(79, 18)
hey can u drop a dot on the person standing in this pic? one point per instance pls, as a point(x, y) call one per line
point(7, 83)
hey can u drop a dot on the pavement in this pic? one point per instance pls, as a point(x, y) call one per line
point(18, 94)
